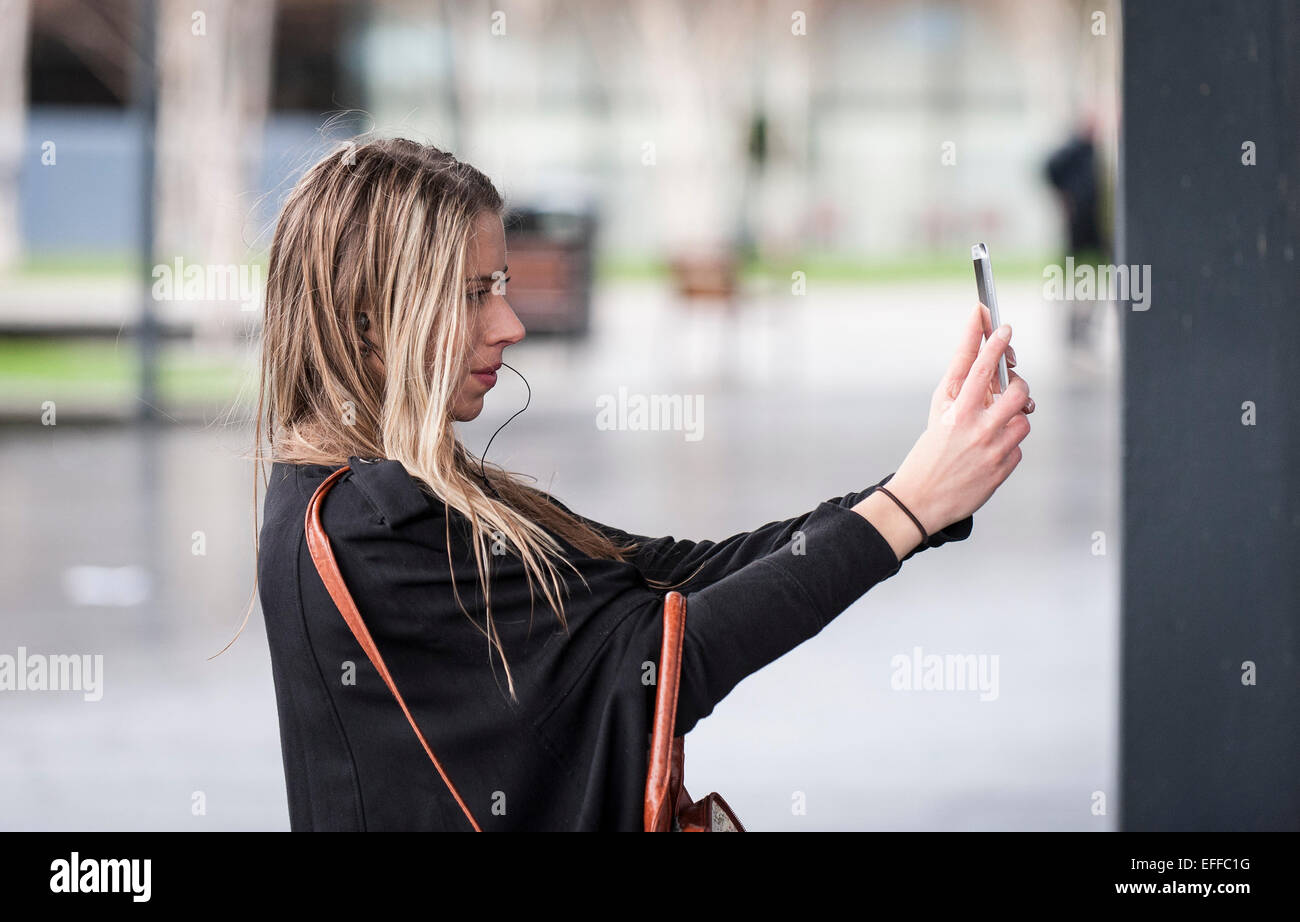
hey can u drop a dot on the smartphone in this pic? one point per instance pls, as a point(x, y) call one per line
point(979, 253)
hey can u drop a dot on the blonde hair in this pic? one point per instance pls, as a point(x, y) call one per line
point(383, 228)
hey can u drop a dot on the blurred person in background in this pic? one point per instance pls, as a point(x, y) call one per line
point(1072, 172)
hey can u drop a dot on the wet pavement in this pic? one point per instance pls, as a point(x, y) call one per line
point(136, 545)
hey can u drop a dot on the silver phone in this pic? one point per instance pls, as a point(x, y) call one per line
point(989, 298)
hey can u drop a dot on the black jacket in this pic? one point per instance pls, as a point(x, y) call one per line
point(571, 755)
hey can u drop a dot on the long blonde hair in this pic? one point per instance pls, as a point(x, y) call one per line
point(383, 228)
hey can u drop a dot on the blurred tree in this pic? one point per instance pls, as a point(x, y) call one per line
point(214, 68)
point(13, 105)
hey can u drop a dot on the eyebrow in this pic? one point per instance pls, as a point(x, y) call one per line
point(488, 278)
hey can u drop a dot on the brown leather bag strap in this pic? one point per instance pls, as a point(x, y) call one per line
point(664, 771)
point(318, 543)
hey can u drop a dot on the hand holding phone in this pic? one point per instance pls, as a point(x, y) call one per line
point(950, 471)
point(989, 298)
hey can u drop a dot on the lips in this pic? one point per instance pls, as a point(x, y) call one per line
point(487, 376)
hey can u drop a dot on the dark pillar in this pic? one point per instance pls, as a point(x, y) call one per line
point(1211, 549)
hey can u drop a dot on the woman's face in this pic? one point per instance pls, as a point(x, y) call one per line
point(493, 325)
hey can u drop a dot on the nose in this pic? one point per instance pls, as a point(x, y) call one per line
point(505, 325)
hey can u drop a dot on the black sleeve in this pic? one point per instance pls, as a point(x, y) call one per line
point(769, 606)
point(672, 560)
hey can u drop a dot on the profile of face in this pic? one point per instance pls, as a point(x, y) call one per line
point(493, 324)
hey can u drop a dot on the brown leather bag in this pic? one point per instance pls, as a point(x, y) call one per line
point(668, 808)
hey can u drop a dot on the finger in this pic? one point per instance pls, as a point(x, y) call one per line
point(1029, 404)
point(1010, 463)
point(990, 398)
point(988, 331)
point(967, 349)
point(1014, 432)
point(980, 379)
point(1008, 404)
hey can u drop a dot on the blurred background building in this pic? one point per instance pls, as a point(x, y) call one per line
point(877, 135)
point(767, 204)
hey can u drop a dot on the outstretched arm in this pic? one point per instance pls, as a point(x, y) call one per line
point(672, 560)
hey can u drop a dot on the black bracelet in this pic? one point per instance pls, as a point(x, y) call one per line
point(924, 537)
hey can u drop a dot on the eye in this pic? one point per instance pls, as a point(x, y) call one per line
point(479, 294)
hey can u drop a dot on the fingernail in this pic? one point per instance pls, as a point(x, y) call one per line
point(1004, 331)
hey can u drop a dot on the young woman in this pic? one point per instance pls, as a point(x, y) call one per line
point(386, 322)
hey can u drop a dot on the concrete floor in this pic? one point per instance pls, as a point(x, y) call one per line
point(804, 399)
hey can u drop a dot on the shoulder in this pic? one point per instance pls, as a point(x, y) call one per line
point(376, 493)
point(390, 491)
point(380, 491)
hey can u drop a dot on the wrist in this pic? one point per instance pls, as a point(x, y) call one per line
point(899, 531)
point(917, 502)
point(911, 516)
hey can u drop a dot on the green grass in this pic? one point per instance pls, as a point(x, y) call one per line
point(634, 267)
point(106, 373)
point(114, 265)
point(82, 265)
point(827, 267)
